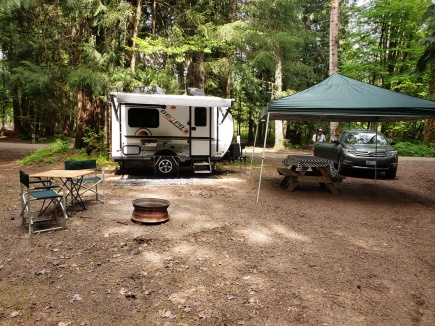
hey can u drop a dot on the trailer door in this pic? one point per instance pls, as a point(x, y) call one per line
point(200, 131)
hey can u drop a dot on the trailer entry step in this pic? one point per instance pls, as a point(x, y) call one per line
point(202, 165)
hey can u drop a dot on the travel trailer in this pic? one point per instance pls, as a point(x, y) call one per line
point(169, 130)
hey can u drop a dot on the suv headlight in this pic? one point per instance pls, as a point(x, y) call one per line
point(349, 151)
point(392, 153)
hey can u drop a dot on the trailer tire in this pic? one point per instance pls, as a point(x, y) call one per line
point(166, 166)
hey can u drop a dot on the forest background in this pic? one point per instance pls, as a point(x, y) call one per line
point(59, 59)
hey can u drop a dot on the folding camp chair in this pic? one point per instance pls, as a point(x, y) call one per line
point(45, 192)
point(93, 182)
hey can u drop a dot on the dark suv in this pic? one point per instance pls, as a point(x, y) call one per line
point(360, 149)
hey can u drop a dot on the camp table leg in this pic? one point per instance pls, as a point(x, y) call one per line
point(73, 186)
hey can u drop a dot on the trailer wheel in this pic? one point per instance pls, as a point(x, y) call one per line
point(166, 166)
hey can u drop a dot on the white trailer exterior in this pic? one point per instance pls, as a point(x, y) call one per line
point(170, 129)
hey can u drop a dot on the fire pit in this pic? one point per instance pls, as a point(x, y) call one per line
point(150, 210)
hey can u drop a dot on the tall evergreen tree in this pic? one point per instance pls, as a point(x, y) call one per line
point(427, 62)
point(276, 32)
point(384, 43)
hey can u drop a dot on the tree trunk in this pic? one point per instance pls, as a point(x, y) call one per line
point(429, 131)
point(84, 116)
point(196, 71)
point(230, 55)
point(18, 122)
point(279, 132)
point(27, 113)
point(429, 126)
point(333, 52)
point(98, 115)
point(333, 37)
point(230, 70)
point(135, 34)
point(65, 117)
point(153, 28)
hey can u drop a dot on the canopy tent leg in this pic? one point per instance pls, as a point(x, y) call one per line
point(376, 150)
point(262, 158)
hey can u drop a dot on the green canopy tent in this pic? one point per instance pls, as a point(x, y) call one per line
point(340, 98)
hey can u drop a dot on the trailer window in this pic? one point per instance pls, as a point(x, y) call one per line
point(200, 117)
point(143, 118)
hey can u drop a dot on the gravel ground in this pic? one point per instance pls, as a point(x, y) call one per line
point(363, 257)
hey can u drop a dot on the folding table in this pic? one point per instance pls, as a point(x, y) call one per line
point(71, 179)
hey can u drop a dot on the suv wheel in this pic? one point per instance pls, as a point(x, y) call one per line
point(390, 174)
point(340, 167)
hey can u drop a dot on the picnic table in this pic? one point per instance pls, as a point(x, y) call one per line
point(305, 168)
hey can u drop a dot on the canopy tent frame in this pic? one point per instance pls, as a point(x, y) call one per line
point(340, 98)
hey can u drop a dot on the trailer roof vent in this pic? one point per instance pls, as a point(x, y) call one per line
point(148, 90)
point(195, 92)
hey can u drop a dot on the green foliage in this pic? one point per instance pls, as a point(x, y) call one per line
point(428, 55)
point(409, 149)
point(275, 32)
point(250, 98)
point(47, 154)
point(384, 44)
point(33, 78)
point(400, 131)
point(59, 151)
point(178, 48)
point(289, 145)
point(95, 140)
point(88, 79)
point(75, 155)
point(124, 79)
point(41, 69)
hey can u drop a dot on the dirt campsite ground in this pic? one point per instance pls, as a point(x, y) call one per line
point(363, 257)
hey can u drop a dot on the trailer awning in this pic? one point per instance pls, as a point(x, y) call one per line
point(177, 100)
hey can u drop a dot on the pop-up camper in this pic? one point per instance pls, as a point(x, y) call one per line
point(148, 125)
